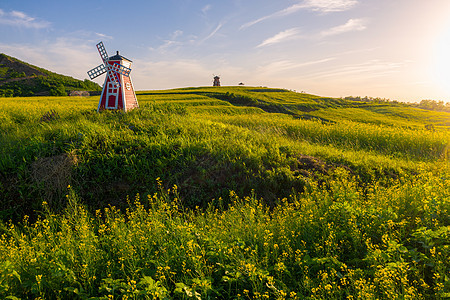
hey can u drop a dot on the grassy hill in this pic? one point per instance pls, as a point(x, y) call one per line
point(231, 192)
point(18, 78)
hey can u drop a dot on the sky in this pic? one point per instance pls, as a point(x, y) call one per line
point(395, 49)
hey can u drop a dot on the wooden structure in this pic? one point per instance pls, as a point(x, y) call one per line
point(118, 91)
point(216, 81)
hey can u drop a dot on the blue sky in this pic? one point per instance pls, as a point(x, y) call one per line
point(397, 49)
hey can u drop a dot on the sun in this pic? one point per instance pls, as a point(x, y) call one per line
point(441, 61)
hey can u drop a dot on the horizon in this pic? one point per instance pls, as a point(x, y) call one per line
point(336, 48)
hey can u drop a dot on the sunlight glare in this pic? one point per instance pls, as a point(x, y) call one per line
point(441, 61)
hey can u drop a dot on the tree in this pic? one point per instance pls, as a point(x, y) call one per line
point(59, 90)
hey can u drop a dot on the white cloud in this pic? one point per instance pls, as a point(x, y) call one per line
point(21, 19)
point(282, 66)
point(370, 69)
point(103, 36)
point(283, 36)
point(67, 56)
point(351, 25)
point(213, 33)
point(326, 6)
point(176, 34)
point(170, 44)
point(313, 62)
point(287, 11)
point(206, 8)
point(321, 6)
point(20, 15)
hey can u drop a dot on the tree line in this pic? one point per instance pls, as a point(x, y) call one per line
point(424, 104)
point(53, 85)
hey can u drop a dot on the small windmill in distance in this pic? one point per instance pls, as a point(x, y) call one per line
point(118, 92)
point(216, 81)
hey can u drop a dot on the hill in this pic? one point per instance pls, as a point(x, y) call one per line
point(228, 193)
point(324, 109)
point(209, 141)
point(18, 78)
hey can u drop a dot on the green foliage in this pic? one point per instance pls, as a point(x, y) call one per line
point(331, 243)
point(434, 105)
point(424, 104)
point(332, 198)
point(14, 82)
point(53, 85)
point(204, 145)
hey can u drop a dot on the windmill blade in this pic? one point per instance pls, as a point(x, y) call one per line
point(113, 77)
point(102, 51)
point(118, 68)
point(97, 71)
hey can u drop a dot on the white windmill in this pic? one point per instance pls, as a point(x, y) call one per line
point(118, 92)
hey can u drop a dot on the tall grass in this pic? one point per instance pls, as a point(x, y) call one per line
point(400, 142)
point(334, 243)
point(317, 210)
point(206, 149)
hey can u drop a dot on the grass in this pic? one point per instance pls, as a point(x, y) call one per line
point(334, 243)
point(231, 193)
point(387, 115)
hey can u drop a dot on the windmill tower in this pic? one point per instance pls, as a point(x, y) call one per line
point(216, 80)
point(118, 92)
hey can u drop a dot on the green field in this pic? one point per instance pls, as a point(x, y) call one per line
point(223, 193)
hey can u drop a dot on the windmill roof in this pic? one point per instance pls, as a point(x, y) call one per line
point(119, 57)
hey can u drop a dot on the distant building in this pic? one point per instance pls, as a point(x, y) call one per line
point(79, 93)
point(216, 81)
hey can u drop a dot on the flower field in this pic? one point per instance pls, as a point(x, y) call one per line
point(230, 193)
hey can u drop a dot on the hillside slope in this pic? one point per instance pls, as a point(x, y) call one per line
point(207, 141)
point(312, 107)
point(18, 78)
point(223, 193)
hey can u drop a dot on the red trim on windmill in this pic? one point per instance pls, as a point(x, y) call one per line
point(118, 92)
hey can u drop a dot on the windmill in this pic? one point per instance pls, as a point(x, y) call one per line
point(118, 92)
point(216, 80)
